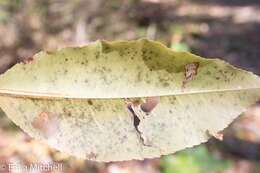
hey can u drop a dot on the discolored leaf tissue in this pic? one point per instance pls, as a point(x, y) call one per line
point(122, 100)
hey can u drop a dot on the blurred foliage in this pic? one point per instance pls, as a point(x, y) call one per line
point(180, 47)
point(7, 8)
point(194, 160)
point(177, 42)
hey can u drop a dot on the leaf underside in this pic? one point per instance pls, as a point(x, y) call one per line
point(77, 99)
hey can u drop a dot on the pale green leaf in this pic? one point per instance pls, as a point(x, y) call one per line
point(75, 99)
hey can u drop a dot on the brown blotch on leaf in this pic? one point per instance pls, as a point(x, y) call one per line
point(190, 71)
point(150, 104)
point(90, 102)
point(67, 112)
point(49, 52)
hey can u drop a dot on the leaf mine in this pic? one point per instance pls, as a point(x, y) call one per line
point(190, 72)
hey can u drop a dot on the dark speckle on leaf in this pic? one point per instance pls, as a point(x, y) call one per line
point(208, 73)
point(50, 52)
point(90, 102)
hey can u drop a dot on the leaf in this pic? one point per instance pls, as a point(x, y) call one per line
point(194, 160)
point(180, 47)
point(89, 101)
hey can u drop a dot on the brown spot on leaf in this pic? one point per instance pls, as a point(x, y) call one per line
point(190, 71)
point(90, 102)
point(150, 104)
point(67, 112)
point(49, 52)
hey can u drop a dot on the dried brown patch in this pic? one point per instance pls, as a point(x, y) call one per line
point(190, 71)
point(67, 112)
point(90, 102)
point(50, 52)
point(150, 104)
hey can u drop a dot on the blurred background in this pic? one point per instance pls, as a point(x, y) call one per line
point(227, 29)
